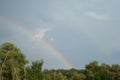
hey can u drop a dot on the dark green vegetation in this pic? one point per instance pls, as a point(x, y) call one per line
point(13, 66)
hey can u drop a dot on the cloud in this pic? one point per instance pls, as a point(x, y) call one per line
point(40, 33)
point(97, 16)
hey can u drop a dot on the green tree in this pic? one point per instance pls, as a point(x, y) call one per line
point(12, 61)
point(105, 71)
point(59, 76)
point(115, 72)
point(92, 70)
point(34, 72)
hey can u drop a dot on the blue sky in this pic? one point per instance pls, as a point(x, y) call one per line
point(82, 30)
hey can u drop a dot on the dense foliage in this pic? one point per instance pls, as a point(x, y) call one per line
point(13, 66)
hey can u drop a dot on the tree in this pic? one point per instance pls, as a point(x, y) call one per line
point(12, 61)
point(34, 72)
point(59, 76)
point(115, 72)
point(92, 70)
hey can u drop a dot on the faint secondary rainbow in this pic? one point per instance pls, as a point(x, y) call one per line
point(89, 36)
point(43, 41)
point(72, 19)
point(76, 23)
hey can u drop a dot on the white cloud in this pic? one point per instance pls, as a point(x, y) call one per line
point(40, 33)
point(97, 16)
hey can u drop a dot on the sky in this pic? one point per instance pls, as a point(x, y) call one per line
point(63, 32)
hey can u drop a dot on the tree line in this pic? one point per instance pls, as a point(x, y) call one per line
point(14, 66)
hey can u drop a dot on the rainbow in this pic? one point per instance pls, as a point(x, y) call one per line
point(76, 22)
point(51, 47)
point(90, 36)
point(43, 41)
